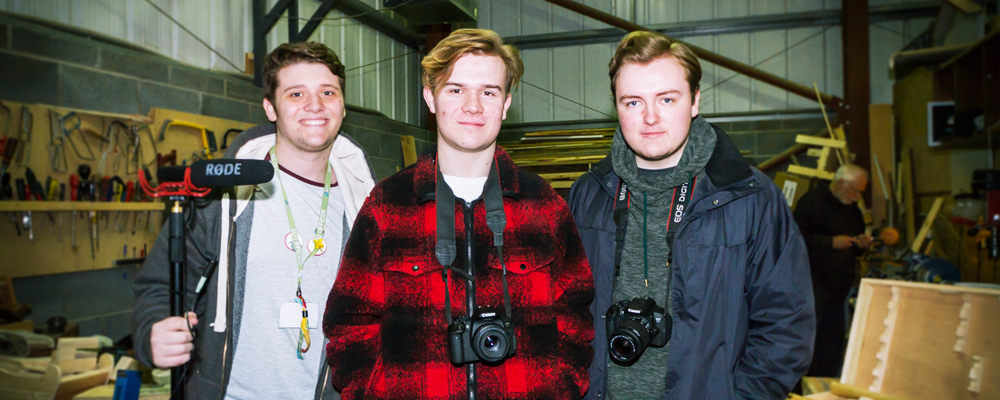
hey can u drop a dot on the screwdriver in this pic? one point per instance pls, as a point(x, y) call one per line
point(22, 194)
point(74, 190)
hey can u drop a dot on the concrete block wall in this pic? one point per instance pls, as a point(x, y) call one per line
point(47, 66)
point(99, 301)
point(42, 65)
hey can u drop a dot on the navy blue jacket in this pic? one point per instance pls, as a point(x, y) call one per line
point(742, 294)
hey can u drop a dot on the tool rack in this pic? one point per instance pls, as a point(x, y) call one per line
point(51, 251)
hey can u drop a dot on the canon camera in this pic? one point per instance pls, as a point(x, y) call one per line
point(488, 336)
point(634, 325)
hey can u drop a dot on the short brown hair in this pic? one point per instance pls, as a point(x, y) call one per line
point(295, 53)
point(439, 62)
point(642, 47)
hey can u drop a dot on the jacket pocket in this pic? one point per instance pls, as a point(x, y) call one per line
point(414, 266)
point(522, 264)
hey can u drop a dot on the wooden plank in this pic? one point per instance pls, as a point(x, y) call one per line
point(573, 132)
point(816, 141)
point(409, 150)
point(880, 128)
point(908, 199)
point(72, 385)
point(29, 385)
point(926, 227)
point(562, 175)
point(561, 184)
point(823, 159)
point(810, 172)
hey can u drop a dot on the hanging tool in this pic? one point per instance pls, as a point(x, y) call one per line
point(225, 137)
point(139, 153)
point(8, 145)
point(22, 194)
point(62, 197)
point(118, 195)
point(57, 144)
point(24, 137)
point(69, 124)
point(207, 137)
point(116, 142)
point(36, 190)
point(6, 192)
point(6, 127)
point(74, 190)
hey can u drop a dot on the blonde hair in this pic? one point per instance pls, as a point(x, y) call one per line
point(439, 63)
point(642, 47)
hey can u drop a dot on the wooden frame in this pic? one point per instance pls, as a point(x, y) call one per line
point(918, 340)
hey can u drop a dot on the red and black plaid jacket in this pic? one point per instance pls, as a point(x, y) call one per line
point(385, 316)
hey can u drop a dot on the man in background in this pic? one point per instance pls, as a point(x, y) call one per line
point(834, 230)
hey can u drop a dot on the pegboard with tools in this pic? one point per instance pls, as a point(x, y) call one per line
point(70, 198)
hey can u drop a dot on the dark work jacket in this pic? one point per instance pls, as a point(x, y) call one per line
point(742, 298)
point(821, 216)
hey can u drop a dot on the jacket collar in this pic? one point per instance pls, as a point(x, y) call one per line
point(425, 174)
point(726, 166)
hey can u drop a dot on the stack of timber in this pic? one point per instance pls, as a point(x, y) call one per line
point(560, 157)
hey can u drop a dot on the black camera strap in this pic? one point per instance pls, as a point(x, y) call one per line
point(446, 248)
point(678, 208)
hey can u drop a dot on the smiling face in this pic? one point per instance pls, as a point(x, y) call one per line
point(308, 107)
point(471, 105)
point(655, 109)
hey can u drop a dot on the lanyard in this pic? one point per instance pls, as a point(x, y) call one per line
point(297, 246)
point(446, 249)
point(623, 200)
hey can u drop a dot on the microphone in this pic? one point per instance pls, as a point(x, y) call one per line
point(220, 173)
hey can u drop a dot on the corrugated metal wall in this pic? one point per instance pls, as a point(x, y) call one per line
point(382, 74)
point(571, 83)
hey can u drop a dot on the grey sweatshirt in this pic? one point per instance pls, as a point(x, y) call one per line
point(646, 250)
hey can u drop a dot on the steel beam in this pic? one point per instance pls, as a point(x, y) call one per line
point(381, 22)
point(361, 12)
point(727, 25)
point(293, 21)
point(857, 83)
point(714, 58)
point(316, 19)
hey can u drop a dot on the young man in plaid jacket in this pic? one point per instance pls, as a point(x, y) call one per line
point(387, 319)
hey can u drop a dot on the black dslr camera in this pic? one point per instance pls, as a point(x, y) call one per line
point(632, 326)
point(487, 336)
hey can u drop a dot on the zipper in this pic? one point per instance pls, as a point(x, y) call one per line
point(229, 301)
point(470, 285)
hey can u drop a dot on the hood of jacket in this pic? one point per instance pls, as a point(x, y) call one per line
point(348, 159)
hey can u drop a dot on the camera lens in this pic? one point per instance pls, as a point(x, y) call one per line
point(490, 343)
point(622, 346)
point(628, 342)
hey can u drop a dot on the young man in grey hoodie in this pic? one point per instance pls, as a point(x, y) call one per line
point(246, 337)
point(676, 215)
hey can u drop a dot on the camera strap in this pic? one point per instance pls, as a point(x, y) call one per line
point(678, 208)
point(446, 249)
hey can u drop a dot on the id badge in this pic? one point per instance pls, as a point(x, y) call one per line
point(290, 316)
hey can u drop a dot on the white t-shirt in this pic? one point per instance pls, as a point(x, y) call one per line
point(265, 365)
point(467, 189)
